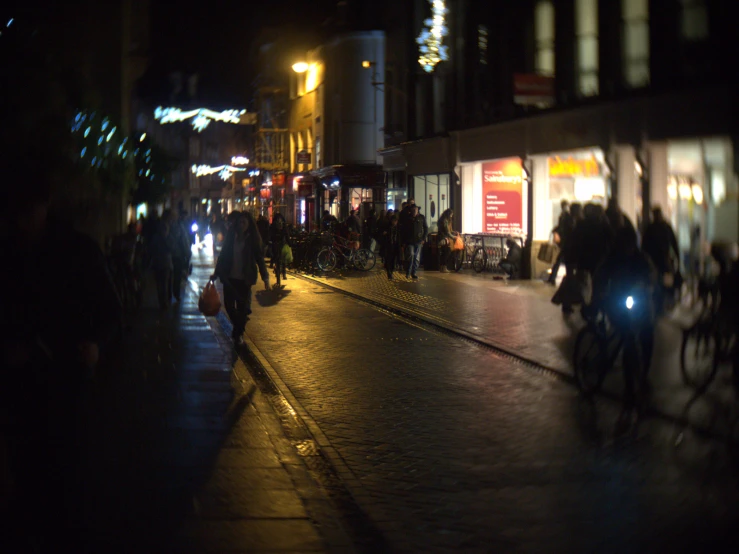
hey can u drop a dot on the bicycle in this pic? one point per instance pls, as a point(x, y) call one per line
point(608, 334)
point(362, 259)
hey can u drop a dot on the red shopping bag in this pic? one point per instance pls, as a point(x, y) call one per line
point(209, 303)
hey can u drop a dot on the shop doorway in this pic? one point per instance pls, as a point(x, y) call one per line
point(431, 193)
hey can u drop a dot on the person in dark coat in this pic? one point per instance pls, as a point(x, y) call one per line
point(511, 264)
point(416, 233)
point(563, 230)
point(263, 226)
point(660, 244)
point(369, 228)
point(161, 250)
point(240, 262)
point(279, 237)
point(352, 223)
point(391, 245)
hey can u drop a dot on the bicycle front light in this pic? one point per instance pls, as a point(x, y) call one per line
point(194, 228)
point(629, 302)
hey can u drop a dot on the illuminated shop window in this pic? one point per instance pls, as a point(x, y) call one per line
point(586, 29)
point(635, 15)
point(544, 29)
point(694, 20)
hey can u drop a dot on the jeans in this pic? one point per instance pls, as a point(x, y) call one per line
point(237, 299)
point(413, 259)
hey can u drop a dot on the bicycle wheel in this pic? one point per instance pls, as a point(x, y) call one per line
point(364, 259)
point(326, 259)
point(479, 260)
point(456, 261)
point(698, 356)
point(590, 360)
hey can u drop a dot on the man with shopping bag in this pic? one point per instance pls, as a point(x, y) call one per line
point(241, 260)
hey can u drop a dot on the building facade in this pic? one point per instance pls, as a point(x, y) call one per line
point(534, 102)
point(337, 115)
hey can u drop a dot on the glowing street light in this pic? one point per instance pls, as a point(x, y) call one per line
point(300, 67)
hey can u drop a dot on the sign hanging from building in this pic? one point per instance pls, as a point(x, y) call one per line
point(302, 157)
point(530, 89)
point(502, 191)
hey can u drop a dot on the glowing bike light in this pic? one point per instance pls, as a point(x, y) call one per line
point(629, 302)
point(195, 230)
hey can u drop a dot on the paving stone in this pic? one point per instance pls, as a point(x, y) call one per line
point(448, 446)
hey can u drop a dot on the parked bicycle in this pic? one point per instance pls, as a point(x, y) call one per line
point(347, 251)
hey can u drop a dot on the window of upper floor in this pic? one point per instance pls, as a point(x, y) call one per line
point(482, 43)
point(694, 25)
point(635, 42)
point(586, 32)
point(544, 36)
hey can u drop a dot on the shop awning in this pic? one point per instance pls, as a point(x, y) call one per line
point(364, 176)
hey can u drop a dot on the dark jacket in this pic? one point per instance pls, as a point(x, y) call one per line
point(161, 250)
point(278, 238)
point(391, 238)
point(564, 228)
point(514, 257)
point(253, 257)
point(405, 217)
point(445, 227)
point(660, 244)
point(352, 224)
point(417, 230)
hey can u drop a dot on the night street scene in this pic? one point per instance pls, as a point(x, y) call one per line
point(369, 277)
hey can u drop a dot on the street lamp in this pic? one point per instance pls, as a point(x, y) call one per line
point(300, 67)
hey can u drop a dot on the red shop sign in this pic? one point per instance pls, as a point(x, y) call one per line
point(502, 191)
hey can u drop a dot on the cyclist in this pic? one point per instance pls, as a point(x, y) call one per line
point(623, 289)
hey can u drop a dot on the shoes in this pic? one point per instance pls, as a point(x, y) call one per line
point(407, 275)
point(239, 341)
point(390, 277)
point(444, 270)
point(414, 277)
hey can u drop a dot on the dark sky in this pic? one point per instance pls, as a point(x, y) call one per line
point(215, 39)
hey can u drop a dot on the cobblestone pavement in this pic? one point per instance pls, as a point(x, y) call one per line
point(188, 455)
point(518, 317)
point(449, 446)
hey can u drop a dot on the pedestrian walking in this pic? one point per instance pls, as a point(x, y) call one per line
point(660, 244)
point(279, 237)
point(562, 234)
point(263, 226)
point(352, 223)
point(382, 227)
point(391, 246)
point(416, 231)
point(180, 247)
point(369, 229)
point(240, 262)
point(162, 263)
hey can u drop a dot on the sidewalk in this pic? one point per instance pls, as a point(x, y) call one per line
point(187, 455)
point(519, 318)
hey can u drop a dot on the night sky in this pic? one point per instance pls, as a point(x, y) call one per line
point(218, 42)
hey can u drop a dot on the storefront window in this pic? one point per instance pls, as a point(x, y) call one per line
point(395, 198)
point(359, 195)
point(635, 14)
point(431, 193)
